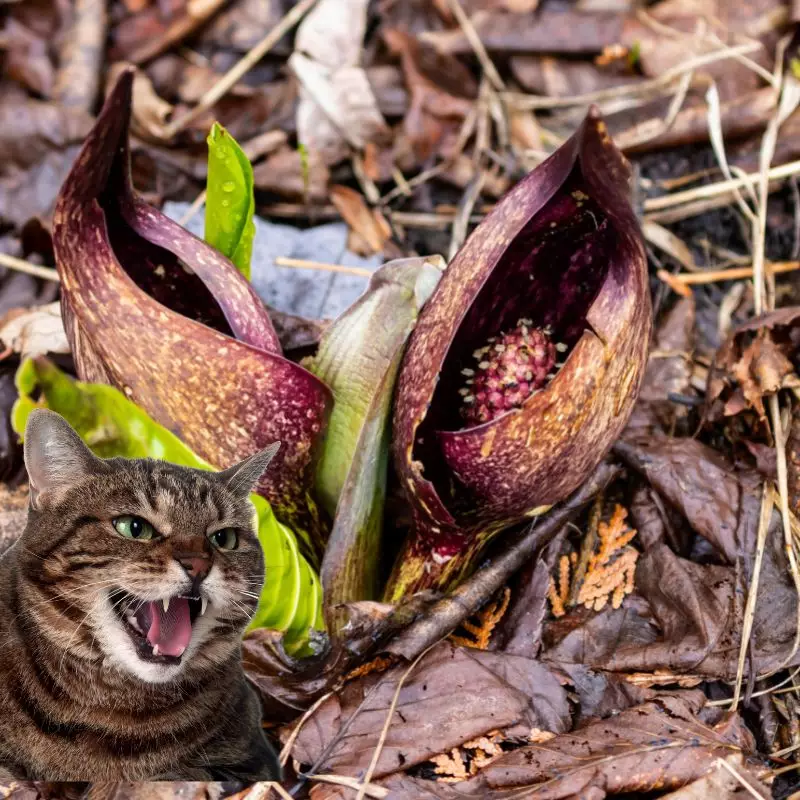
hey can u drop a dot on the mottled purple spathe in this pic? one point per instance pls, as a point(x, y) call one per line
point(564, 250)
point(161, 315)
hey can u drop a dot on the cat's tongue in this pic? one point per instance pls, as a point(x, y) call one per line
point(170, 630)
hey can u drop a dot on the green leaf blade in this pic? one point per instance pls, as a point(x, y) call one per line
point(230, 199)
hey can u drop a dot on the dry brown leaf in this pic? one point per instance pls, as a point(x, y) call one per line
point(730, 778)
point(284, 173)
point(454, 695)
point(38, 142)
point(669, 371)
point(754, 361)
point(658, 745)
point(369, 230)
point(150, 112)
point(34, 331)
point(337, 107)
point(441, 89)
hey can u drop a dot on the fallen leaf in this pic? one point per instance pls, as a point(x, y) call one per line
point(453, 695)
point(337, 108)
point(669, 371)
point(730, 778)
point(288, 174)
point(150, 112)
point(27, 57)
point(658, 745)
point(369, 230)
point(34, 331)
point(441, 91)
point(38, 143)
point(555, 77)
point(551, 30)
point(754, 361)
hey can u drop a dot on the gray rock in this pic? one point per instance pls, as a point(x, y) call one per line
point(309, 293)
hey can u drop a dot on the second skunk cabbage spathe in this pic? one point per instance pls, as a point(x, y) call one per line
point(525, 363)
point(168, 320)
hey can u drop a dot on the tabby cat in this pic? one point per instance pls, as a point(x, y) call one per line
point(122, 608)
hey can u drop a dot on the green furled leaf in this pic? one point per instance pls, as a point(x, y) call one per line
point(358, 357)
point(230, 202)
point(112, 425)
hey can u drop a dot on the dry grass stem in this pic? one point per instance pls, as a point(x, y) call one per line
point(286, 750)
point(387, 724)
point(721, 187)
point(19, 265)
point(301, 263)
point(370, 790)
point(735, 273)
point(471, 35)
point(196, 205)
point(752, 591)
point(740, 778)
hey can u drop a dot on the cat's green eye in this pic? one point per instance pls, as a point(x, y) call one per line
point(134, 528)
point(225, 539)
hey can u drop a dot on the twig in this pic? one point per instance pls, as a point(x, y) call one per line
point(301, 263)
point(82, 56)
point(736, 273)
point(196, 205)
point(752, 592)
point(739, 777)
point(471, 35)
point(449, 612)
point(371, 790)
point(232, 76)
point(721, 187)
point(385, 731)
point(260, 790)
point(48, 273)
point(783, 490)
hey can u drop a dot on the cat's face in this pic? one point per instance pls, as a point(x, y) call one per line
point(154, 569)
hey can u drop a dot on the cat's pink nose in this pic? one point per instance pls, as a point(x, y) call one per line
point(195, 566)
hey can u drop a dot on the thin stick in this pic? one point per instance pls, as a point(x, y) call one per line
point(372, 790)
point(752, 592)
point(386, 725)
point(739, 777)
point(471, 35)
point(193, 208)
point(233, 75)
point(783, 490)
point(735, 273)
point(721, 187)
point(48, 273)
point(286, 751)
point(530, 103)
point(301, 263)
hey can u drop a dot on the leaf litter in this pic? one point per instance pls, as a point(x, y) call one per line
point(639, 636)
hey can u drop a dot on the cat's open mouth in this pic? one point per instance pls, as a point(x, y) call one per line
point(161, 629)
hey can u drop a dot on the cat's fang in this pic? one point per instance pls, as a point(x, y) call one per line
point(203, 605)
point(165, 601)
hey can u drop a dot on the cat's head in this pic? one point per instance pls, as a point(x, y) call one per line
point(149, 568)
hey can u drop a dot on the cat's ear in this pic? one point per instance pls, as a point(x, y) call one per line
point(55, 456)
point(242, 478)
